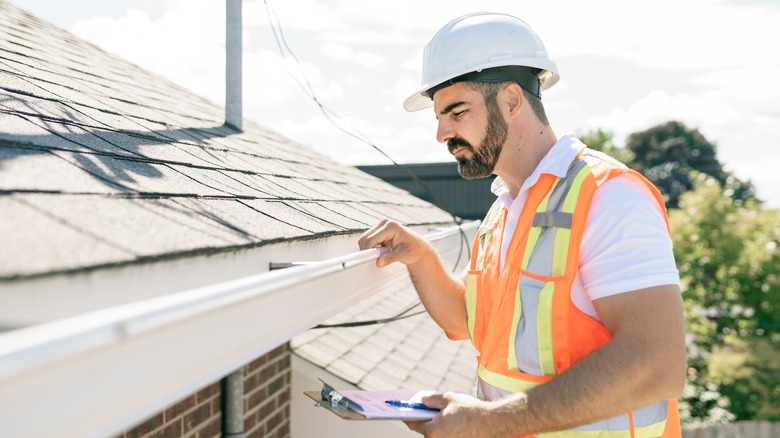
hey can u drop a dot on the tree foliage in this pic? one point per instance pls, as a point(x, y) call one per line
point(726, 248)
point(667, 153)
point(603, 141)
point(727, 254)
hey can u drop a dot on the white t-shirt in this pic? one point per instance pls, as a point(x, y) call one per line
point(625, 246)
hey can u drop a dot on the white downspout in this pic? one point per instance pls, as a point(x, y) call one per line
point(233, 48)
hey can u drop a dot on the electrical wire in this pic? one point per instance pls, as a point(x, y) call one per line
point(332, 117)
point(399, 316)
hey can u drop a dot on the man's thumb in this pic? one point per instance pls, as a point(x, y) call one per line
point(438, 401)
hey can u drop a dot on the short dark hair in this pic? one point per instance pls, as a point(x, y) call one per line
point(489, 91)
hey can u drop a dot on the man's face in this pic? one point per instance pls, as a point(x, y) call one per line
point(462, 114)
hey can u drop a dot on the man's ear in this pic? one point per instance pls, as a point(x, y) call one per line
point(513, 99)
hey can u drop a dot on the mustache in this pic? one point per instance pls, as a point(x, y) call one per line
point(457, 142)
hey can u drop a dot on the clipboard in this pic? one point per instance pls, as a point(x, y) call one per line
point(342, 406)
point(347, 414)
point(332, 400)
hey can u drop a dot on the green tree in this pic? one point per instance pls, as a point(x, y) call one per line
point(727, 254)
point(603, 141)
point(667, 153)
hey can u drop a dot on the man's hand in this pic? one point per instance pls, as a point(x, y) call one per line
point(440, 292)
point(461, 416)
point(403, 245)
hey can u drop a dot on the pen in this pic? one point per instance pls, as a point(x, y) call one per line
point(418, 406)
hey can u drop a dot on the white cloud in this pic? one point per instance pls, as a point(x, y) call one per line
point(299, 15)
point(364, 58)
point(342, 52)
point(186, 44)
point(262, 89)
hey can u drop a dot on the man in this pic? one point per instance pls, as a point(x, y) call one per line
point(572, 298)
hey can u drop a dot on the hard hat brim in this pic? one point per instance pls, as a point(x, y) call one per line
point(420, 100)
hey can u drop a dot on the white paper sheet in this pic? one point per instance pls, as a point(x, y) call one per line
point(374, 406)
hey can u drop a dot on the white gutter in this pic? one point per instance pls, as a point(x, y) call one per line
point(100, 372)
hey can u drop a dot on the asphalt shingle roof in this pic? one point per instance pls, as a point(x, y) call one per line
point(406, 353)
point(103, 163)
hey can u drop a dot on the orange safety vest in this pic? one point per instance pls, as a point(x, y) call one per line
point(523, 318)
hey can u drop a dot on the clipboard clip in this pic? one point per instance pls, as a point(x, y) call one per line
point(330, 397)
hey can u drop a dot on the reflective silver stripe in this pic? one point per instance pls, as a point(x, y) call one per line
point(651, 414)
point(526, 344)
point(618, 422)
point(552, 219)
point(556, 203)
point(540, 260)
point(564, 185)
point(540, 263)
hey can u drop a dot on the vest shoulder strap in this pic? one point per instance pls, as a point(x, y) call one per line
point(484, 233)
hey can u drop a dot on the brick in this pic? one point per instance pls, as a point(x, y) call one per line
point(208, 392)
point(265, 411)
point(284, 397)
point(277, 418)
point(180, 407)
point(267, 373)
point(250, 421)
point(216, 405)
point(282, 363)
point(257, 433)
point(278, 351)
point(268, 357)
point(276, 385)
point(275, 422)
point(171, 430)
point(213, 429)
point(250, 381)
point(255, 364)
point(254, 399)
point(196, 417)
point(147, 426)
point(283, 431)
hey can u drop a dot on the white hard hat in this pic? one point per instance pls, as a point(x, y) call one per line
point(480, 41)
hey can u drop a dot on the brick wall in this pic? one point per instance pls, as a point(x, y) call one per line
point(195, 416)
point(267, 382)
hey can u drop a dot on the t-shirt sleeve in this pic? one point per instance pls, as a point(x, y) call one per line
point(626, 245)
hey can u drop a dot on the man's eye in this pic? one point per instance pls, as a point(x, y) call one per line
point(458, 113)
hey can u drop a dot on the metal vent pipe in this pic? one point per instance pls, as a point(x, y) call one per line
point(233, 47)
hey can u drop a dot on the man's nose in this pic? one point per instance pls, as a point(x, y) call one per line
point(444, 130)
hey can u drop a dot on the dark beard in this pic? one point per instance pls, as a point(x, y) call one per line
point(483, 160)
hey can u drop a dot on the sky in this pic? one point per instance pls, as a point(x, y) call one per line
point(625, 66)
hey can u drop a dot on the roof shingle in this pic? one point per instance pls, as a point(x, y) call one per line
point(411, 352)
point(103, 163)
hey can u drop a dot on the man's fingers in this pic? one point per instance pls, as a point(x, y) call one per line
point(400, 244)
point(367, 239)
point(416, 426)
point(390, 255)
